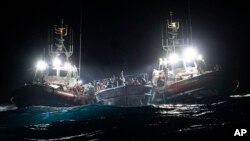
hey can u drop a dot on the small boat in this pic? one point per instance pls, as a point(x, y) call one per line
point(57, 79)
point(131, 92)
point(182, 76)
point(125, 96)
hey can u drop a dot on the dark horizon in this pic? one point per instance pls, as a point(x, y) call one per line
point(122, 35)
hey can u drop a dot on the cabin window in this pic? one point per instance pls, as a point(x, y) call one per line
point(176, 65)
point(52, 72)
point(169, 67)
point(190, 64)
point(63, 73)
point(179, 65)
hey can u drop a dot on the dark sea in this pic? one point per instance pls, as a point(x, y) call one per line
point(155, 122)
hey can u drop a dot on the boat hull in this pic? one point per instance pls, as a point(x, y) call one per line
point(44, 95)
point(125, 96)
point(206, 88)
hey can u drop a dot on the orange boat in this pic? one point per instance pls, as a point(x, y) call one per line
point(182, 76)
point(206, 88)
point(57, 79)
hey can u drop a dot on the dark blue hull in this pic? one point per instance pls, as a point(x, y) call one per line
point(206, 88)
point(127, 96)
point(44, 95)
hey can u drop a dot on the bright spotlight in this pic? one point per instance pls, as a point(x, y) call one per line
point(199, 57)
point(79, 81)
point(56, 62)
point(173, 58)
point(190, 54)
point(173, 24)
point(165, 61)
point(161, 61)
point(41, 65)
point(68, 66)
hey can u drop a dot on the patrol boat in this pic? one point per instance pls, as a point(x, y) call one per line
point(182, 76)
point(57, 78)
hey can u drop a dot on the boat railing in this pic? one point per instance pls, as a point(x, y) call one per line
point(117, 81)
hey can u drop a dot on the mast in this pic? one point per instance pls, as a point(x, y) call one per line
point(172, 43)
point(44, 54)
point(190, 24)
point(172, 35)
point(58, 47)
point(80, 52)
point(180, 58)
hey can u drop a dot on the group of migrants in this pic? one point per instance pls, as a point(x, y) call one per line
point(112, 82)
point(121, 80)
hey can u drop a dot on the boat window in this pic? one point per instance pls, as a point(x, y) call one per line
point(63, 73)
point(200, 63)
point(179, 65)
point(52, 72)
point(169, 67)
point(190, 64)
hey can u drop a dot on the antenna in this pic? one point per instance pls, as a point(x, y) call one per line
point(190, 24)
point(49, 41)
point(43, 54)
point(80, 52)
point(162, 36)
point(57, 47)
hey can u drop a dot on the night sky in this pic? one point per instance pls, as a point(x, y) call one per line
point(121, 35)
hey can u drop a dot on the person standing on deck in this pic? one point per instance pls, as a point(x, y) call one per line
point(123, 79)
point(166, 74)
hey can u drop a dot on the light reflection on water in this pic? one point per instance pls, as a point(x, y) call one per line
point(96, 122)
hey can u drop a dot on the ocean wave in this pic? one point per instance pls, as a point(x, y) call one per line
point(7, 107)
point(240, 96)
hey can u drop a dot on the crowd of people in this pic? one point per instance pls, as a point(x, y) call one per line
point(159, 78)
point(106, 83)
point(116, 81)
